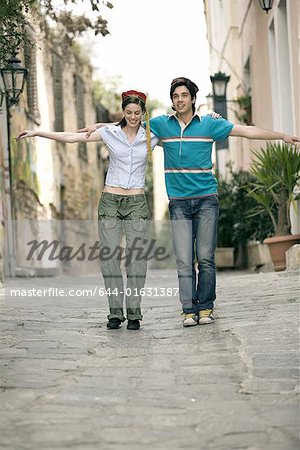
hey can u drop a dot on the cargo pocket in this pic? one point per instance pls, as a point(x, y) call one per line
point(107, 222)
point(106, 208)
point(140, 225)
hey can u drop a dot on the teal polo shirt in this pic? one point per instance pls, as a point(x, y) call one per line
point(187, 153)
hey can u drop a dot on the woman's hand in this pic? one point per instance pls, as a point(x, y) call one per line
point(25, 134)
point(215, 115)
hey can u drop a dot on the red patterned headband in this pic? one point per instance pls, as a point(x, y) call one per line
point(140, 95)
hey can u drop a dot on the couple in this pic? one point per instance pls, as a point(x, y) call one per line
point(192, 189)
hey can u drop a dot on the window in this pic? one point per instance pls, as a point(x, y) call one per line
point(57, 73)
point(32, 91)
point(80, 110)
point(102, 115)
point(280, 66)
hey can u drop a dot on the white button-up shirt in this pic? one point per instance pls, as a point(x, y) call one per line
point(127, 161)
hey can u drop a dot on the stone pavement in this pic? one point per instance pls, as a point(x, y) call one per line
point(66, 382)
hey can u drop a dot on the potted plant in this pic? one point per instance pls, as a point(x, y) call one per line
point(277, 172)
point(244, 114)
point(224, 255)
point(236, 228)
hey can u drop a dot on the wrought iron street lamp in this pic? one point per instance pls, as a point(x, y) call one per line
point(14, 77)
point(2, 96)
point(219, 81)
point(12, 81)
point(2, 93)
point(266, 5)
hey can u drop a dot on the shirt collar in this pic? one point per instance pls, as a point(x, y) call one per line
point(197, 114)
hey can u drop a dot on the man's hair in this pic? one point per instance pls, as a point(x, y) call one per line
point(190, 85)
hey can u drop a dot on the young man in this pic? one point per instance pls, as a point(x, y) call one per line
point(192, 189)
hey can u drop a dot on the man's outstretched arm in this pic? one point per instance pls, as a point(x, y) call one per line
point(251, 132)
point(92, 128)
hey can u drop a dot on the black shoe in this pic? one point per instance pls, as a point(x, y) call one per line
point(133, 324)
point(113, 324)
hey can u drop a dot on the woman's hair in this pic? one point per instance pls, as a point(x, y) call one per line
point(126, 102)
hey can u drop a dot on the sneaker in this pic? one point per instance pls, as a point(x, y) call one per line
point(133, 324)
point(113, 324)
point(189, 320)
point(206, 316)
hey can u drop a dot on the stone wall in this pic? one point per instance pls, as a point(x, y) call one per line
point(53, 181)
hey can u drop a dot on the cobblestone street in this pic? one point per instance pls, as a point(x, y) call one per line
point(66, 382)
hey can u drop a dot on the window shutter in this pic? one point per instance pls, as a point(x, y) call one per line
point(80, 110)
point(57, 73)
point(32, 92)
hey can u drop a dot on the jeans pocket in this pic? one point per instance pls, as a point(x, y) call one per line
point(212, 199)
point(140, 225)
point(106, 207)
point(107, 222)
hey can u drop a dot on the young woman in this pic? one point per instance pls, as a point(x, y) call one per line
point(123, 205)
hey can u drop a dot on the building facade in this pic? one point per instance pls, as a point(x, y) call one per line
point(51, 189)
point(260, 52)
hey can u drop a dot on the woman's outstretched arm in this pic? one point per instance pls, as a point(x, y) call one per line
point(61, 136)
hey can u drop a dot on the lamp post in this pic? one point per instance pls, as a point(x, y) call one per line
point(219, 83)
point(2, 96)
point(266, 5)
point(14, 77)
point(12, 82)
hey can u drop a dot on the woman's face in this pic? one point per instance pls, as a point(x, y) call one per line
point(133, 114)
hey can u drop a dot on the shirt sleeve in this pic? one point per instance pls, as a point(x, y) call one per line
point(106, 135)
point(220, 128)
point(103, 131)
point(157, 125)
point(154, 140)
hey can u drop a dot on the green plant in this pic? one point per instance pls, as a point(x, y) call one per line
point(14, 18)
point(235, 227)
point(226, 213)
point(244, 115)
point(247, 228)
point(276, 169)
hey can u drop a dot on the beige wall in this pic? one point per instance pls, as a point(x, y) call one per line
point(271, 43)
point(293, 8)
point(225, 49)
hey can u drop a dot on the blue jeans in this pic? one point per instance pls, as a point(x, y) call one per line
point(194, 229)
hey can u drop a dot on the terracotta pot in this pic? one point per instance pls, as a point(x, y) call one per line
point(278, 245)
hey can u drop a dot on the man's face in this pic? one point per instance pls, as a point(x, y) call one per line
point(182, 100)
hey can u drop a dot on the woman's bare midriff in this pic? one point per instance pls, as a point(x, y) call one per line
point(122, 191)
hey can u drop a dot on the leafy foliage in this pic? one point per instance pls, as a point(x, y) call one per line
point(107, 93)
point(226, 214)
point(12, 26)
point(277, 172)
point(14, 17)
point(236, 226)
point(244, 115)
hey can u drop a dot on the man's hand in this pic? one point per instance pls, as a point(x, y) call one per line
point(88, 130)
point(293, 140)
point(252, 132)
